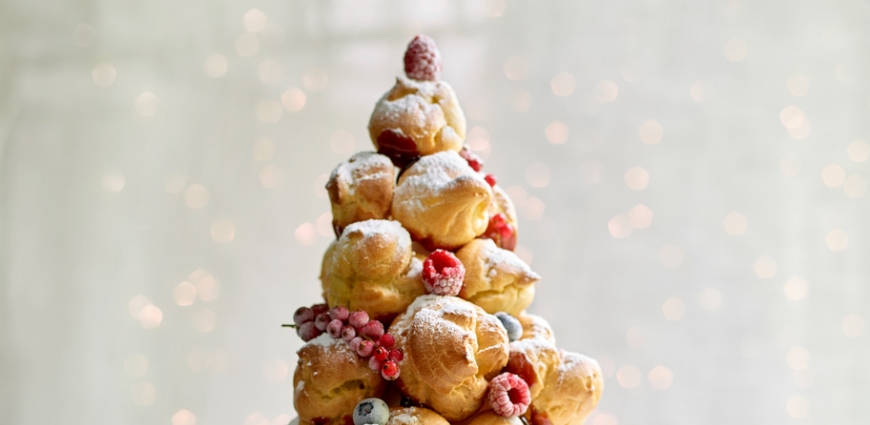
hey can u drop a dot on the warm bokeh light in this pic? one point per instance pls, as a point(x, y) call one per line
point(735, 50)
point(791, 117)
point(306, 234)
point(661, 377)
point(605, 418)
point(853, 326)
point(651, 132)
point(271, 176)
point(183, 417)
point(765, 267)
point(635, 338)
point(619, 226)
point(629, 376)
point(521, 101)
point(837, 240)
point(196, 196)
point(477, 140)
point(798, 407)
point(562, 84)
point(270, 111)
point(143, 394)
point(185, 294)
point(710, 300)
point(275, 370)
point(671, 256)
point(538, 175)
point(204, 320)
point(324, 225)
point(702, 92)
point(113, 182)
point(858, 151)
point(150, 316)
point(342, 142)
point(516, 68)
point(104, 74)
point(833, 175)
point(146, 104)
point(640, 217)
point(282, 419)
point(254, 20)
point(136, 305)
point(293, 99)
point(636, 178)
point(533, 209)
point(556, 132)
point(798, 358)
point(674, 309)
point(223, 230)
point(607, 91)
point(796, 288)
point(207, 287)
point(855, 186)
point(216, 65)
point(256, 419)
point(798, 85)
point(247, 45)
point(735, 223)
point(315, 79)
point(136, 365)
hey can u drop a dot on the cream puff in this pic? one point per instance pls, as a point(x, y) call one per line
point(496, 279)
point(361, 188)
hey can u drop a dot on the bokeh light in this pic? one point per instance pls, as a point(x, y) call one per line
point(223, 230)
point(765, 267)
point(315, 79)
point(629, 376)
point(183, 417)
point(196, 196)
point(651, 132)
point(798, 358)
point(636, 178)
point(216, 65)
point(735, 223)
point(619, 226)
point(146, 104)
point(833, 175)
point(271, 176)
point(256, 419)
point(858, 151)
point(562, 84)
point(853, 326)
point(306, 234)
point(185, 294)
point(674, 309)
point(855, 186)
point(104, 74)
point(837, 240)
point(556, 132)
point(275, 370)
point(254, 20)
point(293, 100)
point(661, 377)
point(798, 407)
point(113, 182)
point(150, 317)
point(640, 217)
point(143, 394)
point(702, 92)
point(607, 91)
point(796, 288)
point(735, 50)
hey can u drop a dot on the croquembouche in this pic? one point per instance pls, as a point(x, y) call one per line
point(424, 320)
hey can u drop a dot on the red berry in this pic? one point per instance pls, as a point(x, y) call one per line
point(319, 308)
point(358, 319)
point(354, 343)
point(490, 179)
point(508, 395)
point(501, 232)
point(373, 329)
point(381, 353)
point(338, 313)
point(386, 340)
point(390, 370)
point(348, 333)
point(303, 315)
point(401, 149)
point(473, 160)
point(321, 321)
point(422, 59)
point(334, 328)
point(308, 331)
point(396, 355)
point(443, 273)
point(374, 364)
point(365, 348)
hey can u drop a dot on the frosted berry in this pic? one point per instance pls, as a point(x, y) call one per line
point(348, 333)
point(339, 313)
point(443, 273)
point(365, 348)
point(308, 331)
point(501, 232)
point(400, 148)
point(374, 364)
point(511, 325)
point(354, 343)
point(386, 340)
point(490, 179)
point(396, 355)
point(473, 160)
point(371, 411)
point(322, 321)
point(358, 319)
point(390, 370)
point(381, 353)
point(508, 395)
point(422, 59)
point(319, 308)
point(334, 328)
point(303, 315)
point(373, 329)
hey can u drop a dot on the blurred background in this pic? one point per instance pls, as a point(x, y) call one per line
point(690, 178)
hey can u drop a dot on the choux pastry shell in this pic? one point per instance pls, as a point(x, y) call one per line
point(417, 118)
point(496, 279)
point(488, 417)
point(451, 349)
point(330, 379)
point(570, 391)
point(442, 201)
point(372, 267)
point(415, 416)
point(361, 188)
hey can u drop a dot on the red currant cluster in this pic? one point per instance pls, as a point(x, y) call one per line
point(501, 232)
point(365, 336)
point(474, 161)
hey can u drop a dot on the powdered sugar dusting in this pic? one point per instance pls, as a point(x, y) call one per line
point(360, 167)
point(391, 228)
point(324, 340)
point(496, 256)
point(403, 419)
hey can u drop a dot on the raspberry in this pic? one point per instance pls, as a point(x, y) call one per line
point(386, 340)
point(373, 329)
point(334, 328)
point(374, 364)
point(490, 179)
point(381, 354)
point(422, 59)
point(365, 348)
point(321, 321)
point(508, 395)
point(358, 319)
point(303, 315)
point(473, 160)
point(308, 331)
point(339, 313)
point(396, 355)
point(443, 273)
point(501, 232)
point(348, 333)
point(390, 370)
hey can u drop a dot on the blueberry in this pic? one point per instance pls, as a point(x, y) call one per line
point(511, 325)
point(371, 411)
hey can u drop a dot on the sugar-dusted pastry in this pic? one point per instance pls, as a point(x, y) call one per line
point(330, 379)
point(502, 228)
point(570, 391)
point(415, 416)
point(420, 115)
point(451, 349)
point(496, 279)
point(371, 267)
point(488, 417)
point(442, 201)
point(361, 188)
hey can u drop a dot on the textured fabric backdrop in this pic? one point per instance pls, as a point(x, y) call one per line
point(690, 178)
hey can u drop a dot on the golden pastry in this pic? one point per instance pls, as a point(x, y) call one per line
point(536, 327)
point(451, 349)
point(442, 201)
point(570, 391)
point(371, 267)
point(496, 279)
point(330, 379)
point(415, 416)
point(488, 417)
point(361, 188)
